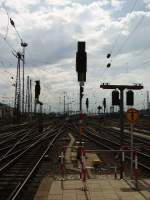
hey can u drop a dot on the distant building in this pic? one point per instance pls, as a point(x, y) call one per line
point(6, 111)
point(111, 109)
point(148, 106)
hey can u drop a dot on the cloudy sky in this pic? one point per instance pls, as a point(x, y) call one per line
point(52, 28)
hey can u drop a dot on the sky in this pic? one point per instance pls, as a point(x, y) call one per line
point(52, 29)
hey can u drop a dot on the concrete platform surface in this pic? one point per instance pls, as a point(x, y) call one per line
point(103, 188)
point(99, 187)
point(143, 135)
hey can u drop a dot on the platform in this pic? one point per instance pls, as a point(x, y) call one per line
point(103, 188)
point(142, 135)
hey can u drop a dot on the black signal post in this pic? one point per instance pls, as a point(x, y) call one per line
point(121, 88)
point(87, 104)
point(81, 96)
point(99, 108)
point(37, 94)
point(37, 102)
point(81, 68)
point(104, 105)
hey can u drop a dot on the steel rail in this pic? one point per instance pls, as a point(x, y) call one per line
point(26, 147)
point(20, 187)
point(94, 133)
point(112, 142)
point(8, 164)
point(17, 173)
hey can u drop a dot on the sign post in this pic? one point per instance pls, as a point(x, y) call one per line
point(131, 129)
point(132, 116)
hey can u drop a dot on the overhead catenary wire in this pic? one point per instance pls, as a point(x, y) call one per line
point(8, 44)
point(13, 24)
point(7, 28)
point(145, 62)
point(141, 52)
point(11, 75)
point(132, 32)
point(5, 80)
point(119, 35)
point(5, 36)
point(11, 21)
point(127, 39)
point(109, 55)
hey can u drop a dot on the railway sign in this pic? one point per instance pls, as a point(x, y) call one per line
point(82, 130)
point(132, 115)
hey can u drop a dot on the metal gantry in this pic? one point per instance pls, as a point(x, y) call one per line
point(23, 45)
point(121, 105)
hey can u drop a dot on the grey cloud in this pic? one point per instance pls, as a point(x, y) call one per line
point(52, 38)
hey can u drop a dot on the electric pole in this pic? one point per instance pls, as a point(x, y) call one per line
point(17, 104)
point(23, 44)
point(64, 103)
point(26, 100)
point(31, 96)
point(28, 103)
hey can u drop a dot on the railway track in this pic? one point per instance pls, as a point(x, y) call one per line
point(11, 127)
point(22, 153)
point(142, 126)
point(111, 141)
point(20, 160)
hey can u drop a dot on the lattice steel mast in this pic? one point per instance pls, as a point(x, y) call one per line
point(17, 105)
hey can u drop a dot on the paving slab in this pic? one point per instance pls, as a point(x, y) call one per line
point(106, 189)
point(44, 189)
point(68, 153)
point(102, 187)
point(144, 187)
